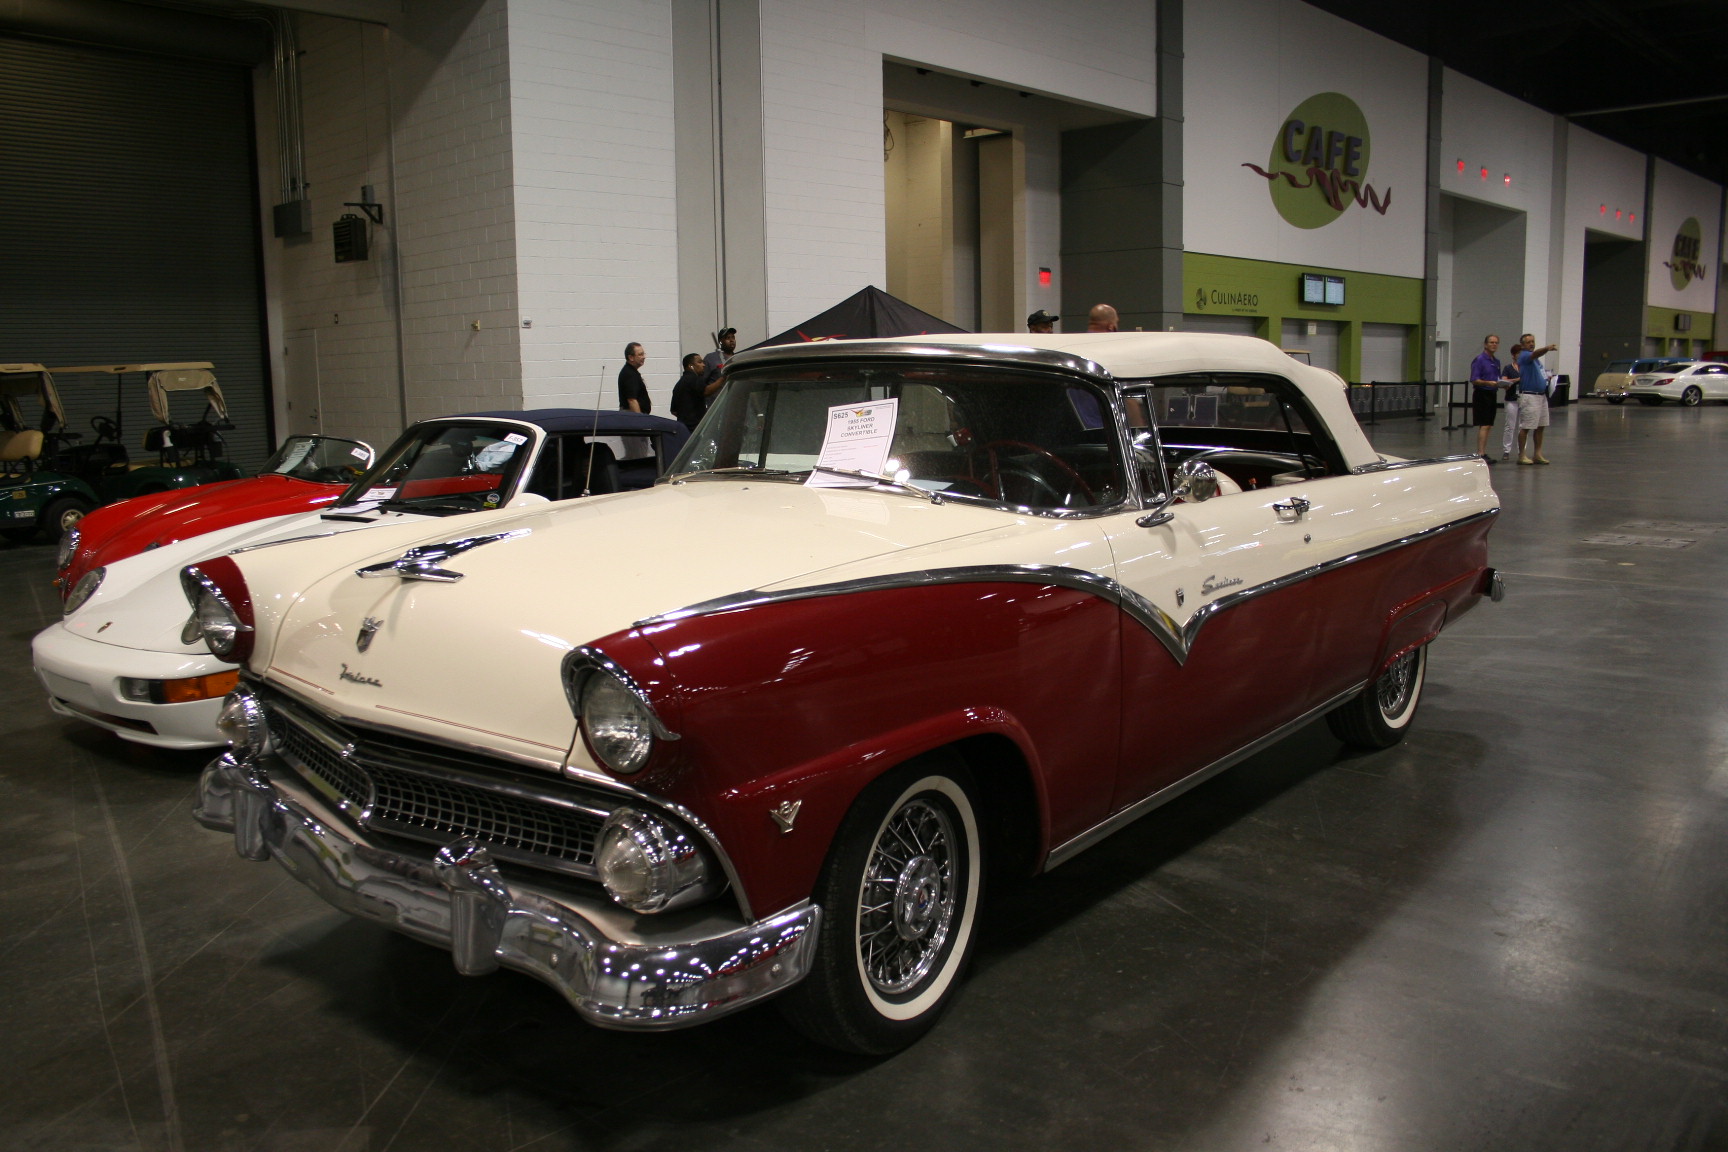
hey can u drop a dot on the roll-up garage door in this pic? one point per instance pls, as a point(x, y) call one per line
point(129, 229)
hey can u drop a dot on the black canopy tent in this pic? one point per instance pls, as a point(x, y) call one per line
point(869, 312)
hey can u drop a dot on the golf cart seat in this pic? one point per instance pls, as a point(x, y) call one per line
point(19, 451)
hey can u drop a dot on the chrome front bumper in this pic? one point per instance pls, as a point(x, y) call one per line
point(679, 970)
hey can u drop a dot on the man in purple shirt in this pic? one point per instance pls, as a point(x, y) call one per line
point(1485, 392)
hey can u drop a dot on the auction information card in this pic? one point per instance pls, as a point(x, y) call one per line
point(858, 439)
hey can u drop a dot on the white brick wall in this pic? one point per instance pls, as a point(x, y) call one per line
point(596, 224)
point(822, 121)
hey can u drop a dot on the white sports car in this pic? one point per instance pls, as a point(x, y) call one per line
point(125, 659)
point(1688, 382)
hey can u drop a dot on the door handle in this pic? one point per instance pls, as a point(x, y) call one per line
point(1291, 510)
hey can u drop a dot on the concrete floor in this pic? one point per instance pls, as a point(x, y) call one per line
point(1506, 933)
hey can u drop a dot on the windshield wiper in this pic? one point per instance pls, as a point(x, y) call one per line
point(734, 470)
point(882, 481)
point(434, 507)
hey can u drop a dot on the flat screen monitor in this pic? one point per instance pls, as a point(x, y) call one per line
point(1313, 288)
point(1334, 289)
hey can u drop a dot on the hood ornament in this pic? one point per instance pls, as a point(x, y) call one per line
point(368, 629)
point(421, 563)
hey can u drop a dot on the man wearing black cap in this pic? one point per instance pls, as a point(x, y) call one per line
point(1042, 322)
point(726, 340)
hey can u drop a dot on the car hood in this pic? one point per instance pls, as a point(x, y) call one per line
point(129, 527)
point(478, 659)
point(140, 603)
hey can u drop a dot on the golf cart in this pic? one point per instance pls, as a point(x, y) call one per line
point(51, 479)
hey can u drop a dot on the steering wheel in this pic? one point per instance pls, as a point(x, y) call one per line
point(990, 448)
point(105, 428)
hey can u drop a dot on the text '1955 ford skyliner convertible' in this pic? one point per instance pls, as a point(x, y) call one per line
point(905, 618)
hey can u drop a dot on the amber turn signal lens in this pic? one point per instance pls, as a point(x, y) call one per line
point(199, 687)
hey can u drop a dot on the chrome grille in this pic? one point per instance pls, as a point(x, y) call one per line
point(426, 792)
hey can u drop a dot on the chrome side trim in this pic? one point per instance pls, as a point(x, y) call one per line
point(1178, 639)
point(1169, 792)
point(272, 543)
point(1390, 465)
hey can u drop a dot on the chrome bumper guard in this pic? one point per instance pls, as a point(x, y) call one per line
point(460, 901)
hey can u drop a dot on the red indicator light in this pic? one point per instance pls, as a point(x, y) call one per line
point(1631, 217)
point(1460, 165)
point(1484, 173)
point(1043, 277)
point(1508, 179)
point(1604, 210)
point(1616, 213)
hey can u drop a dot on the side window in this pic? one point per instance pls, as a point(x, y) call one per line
point(1257, 430)
point(1137, 404)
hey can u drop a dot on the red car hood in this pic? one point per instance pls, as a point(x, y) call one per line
point(129, 527)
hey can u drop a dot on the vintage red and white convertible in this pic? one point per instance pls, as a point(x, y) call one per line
point(906, 618)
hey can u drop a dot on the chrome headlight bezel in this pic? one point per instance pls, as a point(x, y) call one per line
point(619, 726)
point(218, 624)
point(648, 864)
point(68, 548)
point(246, 724)
point(83, 590)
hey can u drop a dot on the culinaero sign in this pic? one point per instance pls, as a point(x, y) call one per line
point(1318, 167)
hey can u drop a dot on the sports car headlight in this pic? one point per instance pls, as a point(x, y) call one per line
point(649, 865)
point(243, 721)
point(617, 723)
point(83, 590)
point(218, 626)
point(68, 548)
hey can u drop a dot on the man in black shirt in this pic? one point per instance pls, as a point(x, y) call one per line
point(689, 395)
point(726, 341)
point(632, 392)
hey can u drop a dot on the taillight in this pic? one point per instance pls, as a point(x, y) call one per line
point(1659, 383)
point(221, 607)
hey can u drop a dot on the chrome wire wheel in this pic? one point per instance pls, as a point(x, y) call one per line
point(907, 901)
point(1393, 689)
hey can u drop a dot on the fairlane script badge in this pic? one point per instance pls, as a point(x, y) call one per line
point(1213, 584)
point(356, 678)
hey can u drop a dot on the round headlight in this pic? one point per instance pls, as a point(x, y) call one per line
point(217, 625)
point(243, 721)
point(648, 865)
point(620, 731)
point(83, 590)
point(68, 547)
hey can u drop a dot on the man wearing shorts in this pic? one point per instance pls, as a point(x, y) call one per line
point(1485, 393)
point(1532, 397)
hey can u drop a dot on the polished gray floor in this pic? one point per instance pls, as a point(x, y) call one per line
point(1506, 933)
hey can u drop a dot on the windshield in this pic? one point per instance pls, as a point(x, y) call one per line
point(446, 467)
point(322, 459)
point(1040, 442)
point(1619, 366)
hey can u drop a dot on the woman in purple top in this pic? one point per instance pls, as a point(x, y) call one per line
point(1485, 392)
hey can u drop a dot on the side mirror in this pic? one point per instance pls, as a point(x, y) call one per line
point(1196, 482)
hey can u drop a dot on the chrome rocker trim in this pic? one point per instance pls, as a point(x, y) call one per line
point(1178, 639)
point(1113, 824)
point(460, 901)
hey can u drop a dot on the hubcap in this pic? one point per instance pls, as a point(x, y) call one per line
point(908, 899)
point(1394, 687)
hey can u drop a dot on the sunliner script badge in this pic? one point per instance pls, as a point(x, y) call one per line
point(1213, 584)
point(356, 678)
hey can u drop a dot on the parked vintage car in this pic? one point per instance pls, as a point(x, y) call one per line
point(124, 659)
point(305, 473)
point(1613, 383)
point(1688, 382)
point(910, 617)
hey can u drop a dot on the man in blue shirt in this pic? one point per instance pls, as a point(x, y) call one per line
point(1485, 392)
point(1532, 396)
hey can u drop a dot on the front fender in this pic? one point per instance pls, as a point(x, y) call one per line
point(805, 702)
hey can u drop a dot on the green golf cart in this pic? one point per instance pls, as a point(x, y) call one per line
point(49, 478)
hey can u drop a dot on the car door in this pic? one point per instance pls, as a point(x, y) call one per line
point(1713, 379)
point(1248, 642)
